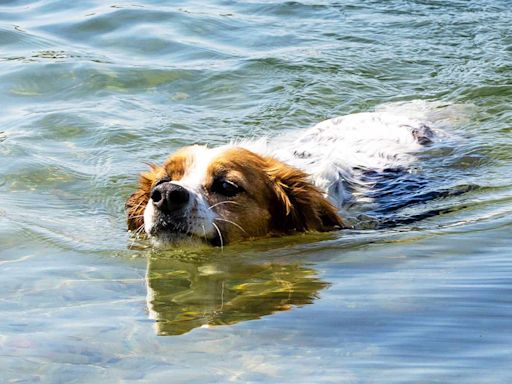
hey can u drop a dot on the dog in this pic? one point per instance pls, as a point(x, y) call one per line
point(297, 182)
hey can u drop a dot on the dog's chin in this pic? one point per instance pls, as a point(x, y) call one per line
point(172, 240)
point(165, 238)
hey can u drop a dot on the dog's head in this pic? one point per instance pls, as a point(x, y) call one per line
point(226, 194)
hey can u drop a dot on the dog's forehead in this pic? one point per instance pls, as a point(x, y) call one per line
point(197, 165)
point(191, 165)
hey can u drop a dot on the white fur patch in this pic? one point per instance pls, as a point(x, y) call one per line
point(200, 217)
point(336, 152)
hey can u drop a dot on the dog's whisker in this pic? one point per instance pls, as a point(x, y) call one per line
point(136, 234)
point(231, 222)
point(220, 236)
point(135, 217)
point(139, 230)
point(204, 233)
point(137, 206)
point(223, 202)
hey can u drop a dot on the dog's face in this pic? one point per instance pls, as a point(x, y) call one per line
point(225, 194)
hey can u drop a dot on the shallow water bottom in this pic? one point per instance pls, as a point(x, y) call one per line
point(416, 306)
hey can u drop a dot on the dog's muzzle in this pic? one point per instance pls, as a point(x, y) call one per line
point(176, 213)
point(171, 205)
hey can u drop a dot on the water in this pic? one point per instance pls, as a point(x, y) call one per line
point(90, 90)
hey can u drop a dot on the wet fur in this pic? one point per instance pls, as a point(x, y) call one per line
point(279, 198)
point(297, 182)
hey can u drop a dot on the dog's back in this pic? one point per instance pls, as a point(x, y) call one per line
point(365, 162)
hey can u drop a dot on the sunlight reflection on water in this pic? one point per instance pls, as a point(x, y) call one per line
point(90, 91)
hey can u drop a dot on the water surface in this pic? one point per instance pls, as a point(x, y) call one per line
point(90, 90)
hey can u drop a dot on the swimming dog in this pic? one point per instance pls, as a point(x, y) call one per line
point(297, 182)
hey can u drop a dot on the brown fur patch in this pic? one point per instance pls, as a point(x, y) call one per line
point(300, 205)
point(278, 198)
point(177, 164)
point(136, 203)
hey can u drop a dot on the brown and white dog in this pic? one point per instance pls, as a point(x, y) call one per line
point(294, 183)
point(227, 194)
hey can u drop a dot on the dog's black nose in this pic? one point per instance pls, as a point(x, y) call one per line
point(169, 197)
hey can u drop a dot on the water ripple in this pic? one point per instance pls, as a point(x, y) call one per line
point(90, 91)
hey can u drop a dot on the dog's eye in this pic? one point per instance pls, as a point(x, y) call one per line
point(226, 188)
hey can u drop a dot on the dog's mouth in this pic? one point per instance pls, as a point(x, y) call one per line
point(170, 225)
point(173, 230)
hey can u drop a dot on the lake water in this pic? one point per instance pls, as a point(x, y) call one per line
point(91, 90)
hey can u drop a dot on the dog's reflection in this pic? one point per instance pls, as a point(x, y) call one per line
point(186, 293)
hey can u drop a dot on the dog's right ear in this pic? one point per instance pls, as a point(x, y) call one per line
point(300, 206)
point(136, 203)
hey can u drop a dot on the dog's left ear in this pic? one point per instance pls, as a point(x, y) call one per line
point(300, 206)
point(136, 203)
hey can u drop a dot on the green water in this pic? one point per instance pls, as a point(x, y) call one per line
point(91, 90)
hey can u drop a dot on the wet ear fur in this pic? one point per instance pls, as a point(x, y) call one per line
point(300, 205)
point(136, 203)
